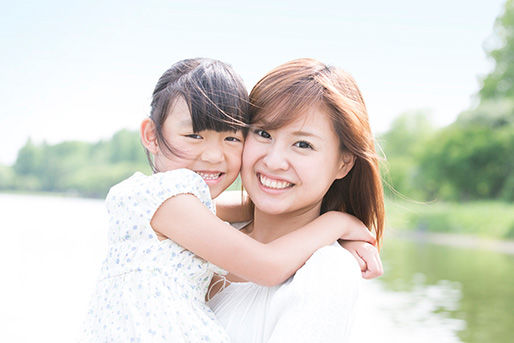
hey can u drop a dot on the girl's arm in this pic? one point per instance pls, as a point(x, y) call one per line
point(367, 256)
point(234, 207)
point(188, 222)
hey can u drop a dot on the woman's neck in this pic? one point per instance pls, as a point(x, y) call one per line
point(268, 227)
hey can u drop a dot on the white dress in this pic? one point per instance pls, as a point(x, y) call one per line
point(151, 290)
point(317, 304)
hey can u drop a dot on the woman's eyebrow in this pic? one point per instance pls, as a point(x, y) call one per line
point(305, 134)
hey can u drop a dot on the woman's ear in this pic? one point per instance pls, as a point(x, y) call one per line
point(149, 136)
point(347, 162)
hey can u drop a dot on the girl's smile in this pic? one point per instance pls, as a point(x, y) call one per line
point(215, 156)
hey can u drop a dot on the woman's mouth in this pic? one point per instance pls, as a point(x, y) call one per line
point(273, 183)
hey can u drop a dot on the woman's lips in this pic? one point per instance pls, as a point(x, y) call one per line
point(273, 183)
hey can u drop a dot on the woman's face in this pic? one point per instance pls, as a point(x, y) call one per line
point(289, 169)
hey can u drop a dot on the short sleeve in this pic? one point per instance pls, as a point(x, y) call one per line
point(142, 195)
point(322, 305)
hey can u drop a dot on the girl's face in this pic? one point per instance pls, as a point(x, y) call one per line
point(215, 156)
point(289, 170)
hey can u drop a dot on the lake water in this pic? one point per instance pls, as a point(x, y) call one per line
point(52, 247)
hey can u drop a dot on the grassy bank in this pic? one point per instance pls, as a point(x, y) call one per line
point(490, 219)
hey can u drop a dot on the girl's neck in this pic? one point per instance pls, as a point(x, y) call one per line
point(268, 227)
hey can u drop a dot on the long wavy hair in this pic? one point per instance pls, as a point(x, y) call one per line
point(291, 88)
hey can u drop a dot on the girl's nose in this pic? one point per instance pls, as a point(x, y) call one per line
point(213, 153)
point(275, 158)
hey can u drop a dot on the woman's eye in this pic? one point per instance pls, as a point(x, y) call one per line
point(194, 136)
point(303, 145)
point(262, 133)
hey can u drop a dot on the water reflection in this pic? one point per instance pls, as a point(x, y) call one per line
point(467, 292)
point(428, 292)
point(420, 314)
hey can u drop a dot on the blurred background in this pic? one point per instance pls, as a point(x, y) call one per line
point(438, 80)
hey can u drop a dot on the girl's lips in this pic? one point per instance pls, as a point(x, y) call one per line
point(273, 183)
point(210, 177)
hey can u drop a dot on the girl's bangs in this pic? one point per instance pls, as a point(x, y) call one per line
point(217, 110)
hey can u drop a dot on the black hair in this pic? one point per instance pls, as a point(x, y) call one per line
point(215, 94)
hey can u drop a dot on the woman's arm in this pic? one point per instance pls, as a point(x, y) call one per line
point(188, 222)
point(234, 207)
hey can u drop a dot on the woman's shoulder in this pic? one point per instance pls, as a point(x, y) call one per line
point(332, 255)
point(329, 266)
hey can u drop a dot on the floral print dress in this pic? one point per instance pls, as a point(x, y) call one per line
point(151, 290)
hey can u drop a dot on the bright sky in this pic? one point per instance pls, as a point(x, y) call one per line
point(85, 69)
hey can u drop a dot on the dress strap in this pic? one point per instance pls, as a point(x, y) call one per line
point(223, 279)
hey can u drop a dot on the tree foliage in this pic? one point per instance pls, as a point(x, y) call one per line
point(499, 84)
point(402, 145)
point(472, 158)
point(466, 162)
point(87, 169)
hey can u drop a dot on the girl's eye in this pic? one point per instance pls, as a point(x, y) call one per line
point(232, 139)
point(194, 136)
point(303, 145)
point(262, 133)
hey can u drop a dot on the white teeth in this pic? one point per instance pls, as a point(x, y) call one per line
point(273, 183)
point(209, 176)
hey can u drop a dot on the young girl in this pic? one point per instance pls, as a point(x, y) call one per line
point(165, 242)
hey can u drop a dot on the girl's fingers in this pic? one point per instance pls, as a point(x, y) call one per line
point(374, 264)
point(362, 264)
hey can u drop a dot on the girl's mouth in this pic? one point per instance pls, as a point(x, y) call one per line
point(273, 183)
point(209, 176)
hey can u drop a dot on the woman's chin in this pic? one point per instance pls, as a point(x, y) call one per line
point(271, 207)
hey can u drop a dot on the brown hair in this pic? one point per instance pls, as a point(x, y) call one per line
point(288, 90)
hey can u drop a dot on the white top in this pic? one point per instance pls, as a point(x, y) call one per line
point(317, 304)
point(151, 290)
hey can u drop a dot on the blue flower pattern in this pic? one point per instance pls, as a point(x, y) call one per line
point(151, 290)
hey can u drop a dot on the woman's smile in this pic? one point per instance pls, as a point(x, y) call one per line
point(273, 183)
point(289, 169)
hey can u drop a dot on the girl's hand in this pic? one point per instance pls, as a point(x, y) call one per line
point(367, 256)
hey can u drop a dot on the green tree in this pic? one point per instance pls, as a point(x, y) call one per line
point(500, 82)
point(29, 159)
point(125, 146)
point(406, 132)
point(76, 167)
point(402, 144)
point(467, 161)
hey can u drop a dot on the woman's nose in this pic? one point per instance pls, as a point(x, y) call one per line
point(275, 158)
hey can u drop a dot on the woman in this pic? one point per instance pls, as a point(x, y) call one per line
point(310, 150)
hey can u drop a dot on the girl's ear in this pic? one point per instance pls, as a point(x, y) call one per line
point(347, 162)
point(149, 136)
